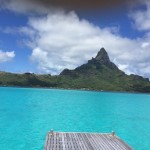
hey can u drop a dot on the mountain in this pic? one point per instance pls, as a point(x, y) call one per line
point(99, 73)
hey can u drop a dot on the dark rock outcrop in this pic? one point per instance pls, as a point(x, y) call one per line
point(102, 56)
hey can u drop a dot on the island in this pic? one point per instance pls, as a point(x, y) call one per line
point(99, 74)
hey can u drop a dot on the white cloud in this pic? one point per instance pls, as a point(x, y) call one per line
point(6, 56)
point(145, 44)
point(26, 6)
point(141, 17)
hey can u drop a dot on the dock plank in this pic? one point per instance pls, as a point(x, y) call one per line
point(84, 141)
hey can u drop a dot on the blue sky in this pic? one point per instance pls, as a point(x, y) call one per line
point(11, 41)
point(39, 38)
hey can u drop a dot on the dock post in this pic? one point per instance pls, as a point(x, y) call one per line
point(113, 133)
point(51, 131)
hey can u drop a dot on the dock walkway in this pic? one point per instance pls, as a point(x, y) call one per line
point(84, 141)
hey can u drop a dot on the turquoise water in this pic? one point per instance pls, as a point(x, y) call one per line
point(26, 115)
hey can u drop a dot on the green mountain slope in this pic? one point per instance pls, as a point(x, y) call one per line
point(98, 74)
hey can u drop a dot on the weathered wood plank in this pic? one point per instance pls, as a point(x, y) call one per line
point(83, 141)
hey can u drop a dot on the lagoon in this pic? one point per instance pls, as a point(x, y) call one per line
point(27, 114)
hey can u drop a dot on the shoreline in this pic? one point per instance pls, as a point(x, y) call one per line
point(82, 89)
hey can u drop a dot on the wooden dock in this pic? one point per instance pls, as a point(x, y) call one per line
point(84, 141)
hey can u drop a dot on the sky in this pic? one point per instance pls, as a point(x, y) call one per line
point(48, 36)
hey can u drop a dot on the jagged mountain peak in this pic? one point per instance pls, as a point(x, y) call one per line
point(100, 62)
point(102, 56)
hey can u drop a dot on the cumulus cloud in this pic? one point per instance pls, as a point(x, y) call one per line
point(6, 56)
point(145, 44)
point(23, 6)
point(141, 17)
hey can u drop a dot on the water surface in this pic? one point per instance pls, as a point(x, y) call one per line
point(26, 115)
